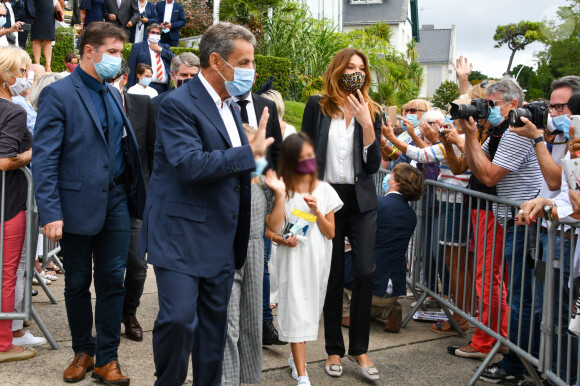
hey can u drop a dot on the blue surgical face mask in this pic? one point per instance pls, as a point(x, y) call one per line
point(261, 164)
point(562, 123)
point(108, 67)
point(145, 81)
point(242, 83)
point(448, 119)
point(495, 117)
point(165, 30)
point(413, 119)
point(2, 21)
point(386, 184)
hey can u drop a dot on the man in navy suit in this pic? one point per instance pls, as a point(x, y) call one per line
point(88, 183)
point(172, 18)
point(197, 216)
point(157, 55)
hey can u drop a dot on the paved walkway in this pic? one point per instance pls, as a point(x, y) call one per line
point(415, 356)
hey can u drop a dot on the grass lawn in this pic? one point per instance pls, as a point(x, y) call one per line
point(293, 113)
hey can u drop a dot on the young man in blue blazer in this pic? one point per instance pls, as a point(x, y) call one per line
point(172, 19)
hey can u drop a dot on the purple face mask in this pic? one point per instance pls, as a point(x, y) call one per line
point(306, 166)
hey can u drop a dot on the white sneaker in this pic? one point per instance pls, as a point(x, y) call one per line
point(294, 370)
point(304, 381)
point(47, 276)
point(28, 340)
point(45, 281)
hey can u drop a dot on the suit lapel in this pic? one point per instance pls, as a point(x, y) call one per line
point(88, 102)
point(258, 106)
point(356, 148)
point(209, 108)
point(235, 109)
point(322, 143)
point(119, 103)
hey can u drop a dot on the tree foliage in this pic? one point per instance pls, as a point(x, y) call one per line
point(522, 74)
point(516, 37)
point(476, 77)
point(250, 13)
point(446, 93)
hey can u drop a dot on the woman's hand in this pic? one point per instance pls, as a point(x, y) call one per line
point(451, 136)
point(273, 182)
point(312, 203)
point(360, 109)
point(431, 132)
point(462, 67)
point(408, 125)
point(388, 132)
point(290, 242)
point(16, 27)
point(531, 210)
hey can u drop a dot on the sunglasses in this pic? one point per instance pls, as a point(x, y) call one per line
point(559, 107)
point(412, 111)
point(492, 103)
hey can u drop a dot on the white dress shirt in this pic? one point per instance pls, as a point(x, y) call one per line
point(168, 12)
point(224, 110)
point(339, 153)
point(164, 78)
point(139, 89)
point(252, 119)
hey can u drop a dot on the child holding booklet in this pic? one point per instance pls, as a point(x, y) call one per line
point(304, 249)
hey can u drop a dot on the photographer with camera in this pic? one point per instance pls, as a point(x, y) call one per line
point(508, 162)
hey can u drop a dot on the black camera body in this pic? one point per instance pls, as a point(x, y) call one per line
point(536, 112)
point(478, 109)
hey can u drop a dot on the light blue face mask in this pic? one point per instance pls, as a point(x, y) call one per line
point(413, 119)
point(448, 119)
point(495, 117)
point(261, 164)
point(242, 83)
point(562, 123)
point(2, 21)
point(145, 81)
point(386, 184)
point(108, 67)
point(165, 30)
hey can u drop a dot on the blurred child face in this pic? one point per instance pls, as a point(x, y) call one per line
point(307, 152)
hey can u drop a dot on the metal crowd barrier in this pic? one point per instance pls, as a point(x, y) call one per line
point(30, 248)
point(523, 305)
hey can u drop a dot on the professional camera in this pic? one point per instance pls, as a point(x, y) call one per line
point(536, 112)
point(478, 109)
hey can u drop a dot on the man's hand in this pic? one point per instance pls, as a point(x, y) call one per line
point(155, 47)
point(273, 182)
point(259, 142)
point(462, 67)
point(112, 17)
point(168, 25)
point(532, 210)
point(528, 130)
point(144, 20)
point(129, 24)
point(53, 230)
point(469, 126)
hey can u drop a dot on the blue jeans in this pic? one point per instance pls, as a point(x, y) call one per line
point(266, 295)
point(108, 249)
point(563, 321)
point(511, 362)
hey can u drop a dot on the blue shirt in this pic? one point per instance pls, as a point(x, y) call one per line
point(30, 113)
point(94, 88)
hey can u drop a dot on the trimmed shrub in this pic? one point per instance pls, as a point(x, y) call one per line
point(279, 68)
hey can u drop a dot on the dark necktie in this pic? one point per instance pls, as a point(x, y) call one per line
point(244, 104)
point(109, 132)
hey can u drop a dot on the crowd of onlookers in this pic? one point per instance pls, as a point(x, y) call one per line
point(176, 157)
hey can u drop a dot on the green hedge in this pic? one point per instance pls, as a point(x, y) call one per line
point(266, 66)
point(64, 44)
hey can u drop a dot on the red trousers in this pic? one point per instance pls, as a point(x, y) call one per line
point(481, 341)
point(14, 231)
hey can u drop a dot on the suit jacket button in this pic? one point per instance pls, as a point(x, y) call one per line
point(237, 188)
point(235, 216)
point(356, 178)
point(106, 167)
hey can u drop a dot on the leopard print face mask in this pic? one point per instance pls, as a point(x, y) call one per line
point(353, 81)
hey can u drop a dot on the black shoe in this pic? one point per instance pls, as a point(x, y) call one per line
point(34, 292)
point(270, 335)
point(495, 374)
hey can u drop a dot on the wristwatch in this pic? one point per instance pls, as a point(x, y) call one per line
point(548, 213)
point(537, 140)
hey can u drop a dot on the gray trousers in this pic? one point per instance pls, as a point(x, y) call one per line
point(243, 351)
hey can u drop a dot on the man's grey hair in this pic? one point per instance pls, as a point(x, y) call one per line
point(220, 38)
point(153, 25)
point(44, 81)
point(124, 69)
point(509, 88)
point(188, 58)
point(571, 81)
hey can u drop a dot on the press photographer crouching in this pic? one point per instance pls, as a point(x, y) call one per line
point(506, 163)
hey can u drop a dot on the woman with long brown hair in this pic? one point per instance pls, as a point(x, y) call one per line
point(345, 126)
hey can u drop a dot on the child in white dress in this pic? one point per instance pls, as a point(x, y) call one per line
point(303, 258)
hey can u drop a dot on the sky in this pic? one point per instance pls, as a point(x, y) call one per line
point(475, 24)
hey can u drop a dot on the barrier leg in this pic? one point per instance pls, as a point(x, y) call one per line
point(44, 287)
point(531, 371)
point(452, 320)
point(486, 362)
point(414, 309)
point(43, 328)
